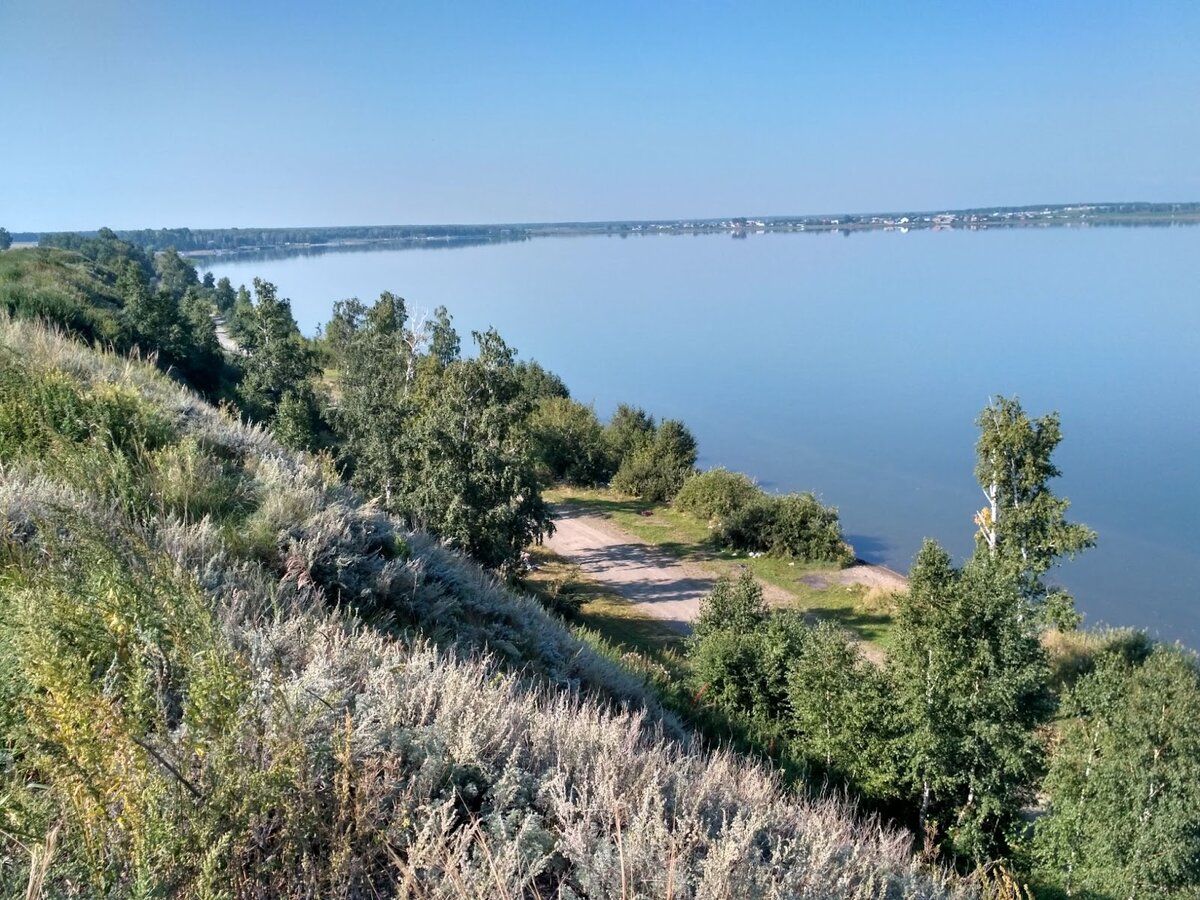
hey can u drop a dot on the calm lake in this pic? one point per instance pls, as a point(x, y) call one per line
point(854, 366)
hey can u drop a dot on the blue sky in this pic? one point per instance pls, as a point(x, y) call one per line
point(138, 114)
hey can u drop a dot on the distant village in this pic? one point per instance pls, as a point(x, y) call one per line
point(973, 219)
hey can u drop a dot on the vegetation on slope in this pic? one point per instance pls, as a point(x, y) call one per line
point(225, 675)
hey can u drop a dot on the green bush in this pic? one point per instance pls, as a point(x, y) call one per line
point(803, 528)
point(657, 469)
point(747, 528)
point(191, 483)
point(40, 412)
point(793, 525)
point(568, 442)
point(717, 494)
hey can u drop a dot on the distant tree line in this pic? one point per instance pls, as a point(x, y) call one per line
point(212, 239)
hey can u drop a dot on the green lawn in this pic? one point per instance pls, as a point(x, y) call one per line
point(866, 614)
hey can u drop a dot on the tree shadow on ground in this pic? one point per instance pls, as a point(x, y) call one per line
point(864, 624)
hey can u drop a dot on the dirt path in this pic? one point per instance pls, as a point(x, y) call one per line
point(659, 584)
point(228, 344)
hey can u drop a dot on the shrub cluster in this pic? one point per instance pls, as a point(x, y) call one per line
point(746, 518)
point(655, 461)
point(798, 686)
point(568, 441)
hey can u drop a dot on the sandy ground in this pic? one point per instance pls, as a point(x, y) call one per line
point(658, 584)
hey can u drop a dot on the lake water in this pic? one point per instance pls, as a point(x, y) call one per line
point(854, 366)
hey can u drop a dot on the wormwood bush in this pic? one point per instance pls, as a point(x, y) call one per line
point(119, 688)
point(56, 287)
point(39, 410)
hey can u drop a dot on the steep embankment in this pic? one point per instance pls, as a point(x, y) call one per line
point(222, 674)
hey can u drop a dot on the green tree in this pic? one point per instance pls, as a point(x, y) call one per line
point(840, 714)
point(469, 473)
point(1123, 818)
point(375, 408)
point(629, 429)
point(5, 239)
point(241, 316)
point(444, 440)
point(538, 383)
point(569, 442)
point(224, 296)
point(970, 677)
point(444, 344)
point(152, 317)
point(740, 653)
point(732, 605)
point(297, 421)
point(657, 469)
point(196, 316)
point(277, 358)
point(1024, 522)
point(175, 274)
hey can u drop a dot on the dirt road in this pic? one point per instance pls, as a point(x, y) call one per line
point(659, 584)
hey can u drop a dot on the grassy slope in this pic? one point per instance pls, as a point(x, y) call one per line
point(864, 613)
point(221, 674)
point(62, 285)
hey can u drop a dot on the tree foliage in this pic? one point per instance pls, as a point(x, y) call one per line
point(629, 429)
point(569, 442)
point(471, 476)
point(839, 711)
point(658, 465)
point(1123, 817)
point(278, 360)
point(444, 440)
point(1025, 523)
point(971, 682)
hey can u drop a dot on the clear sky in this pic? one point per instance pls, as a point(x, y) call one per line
point(150, 114)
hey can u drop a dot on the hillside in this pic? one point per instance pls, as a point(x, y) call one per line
point(224, 674)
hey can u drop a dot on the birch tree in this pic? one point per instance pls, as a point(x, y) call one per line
point(1024, 522)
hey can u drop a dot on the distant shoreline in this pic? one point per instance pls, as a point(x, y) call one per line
point(214, 243)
